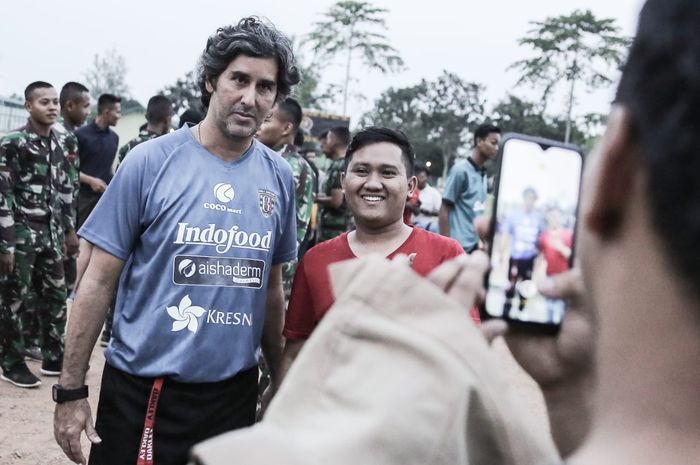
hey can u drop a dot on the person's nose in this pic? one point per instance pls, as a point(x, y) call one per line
point(248, 96)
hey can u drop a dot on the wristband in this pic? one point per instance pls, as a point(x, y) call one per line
point(60, 395)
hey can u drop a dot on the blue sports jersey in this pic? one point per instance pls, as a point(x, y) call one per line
point(525, 230)
point(198, 236)
point(465, 190)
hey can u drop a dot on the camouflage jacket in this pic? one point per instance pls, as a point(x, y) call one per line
point(69, 142)
point(143, 136)
point(338, 219)
point(35, 186)
point(303, 189)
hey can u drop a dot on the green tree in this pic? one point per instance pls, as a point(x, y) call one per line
point(108, 75)
point(403, 109)
point(454, 107)
point(571, 49)
point(310, 92)
point(350, 27)
point(514, 114)
point(184, 93)
point(437, 116)
point(129, 106)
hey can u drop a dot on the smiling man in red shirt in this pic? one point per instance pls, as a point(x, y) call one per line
point(377, 180)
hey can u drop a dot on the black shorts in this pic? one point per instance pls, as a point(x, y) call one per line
point(186, 413)
point(521, 268)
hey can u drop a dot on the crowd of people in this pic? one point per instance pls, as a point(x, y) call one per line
point(220, 244)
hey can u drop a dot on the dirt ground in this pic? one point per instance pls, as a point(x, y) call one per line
point(26, 415)
point(26, 418)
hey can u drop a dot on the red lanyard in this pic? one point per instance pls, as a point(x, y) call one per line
point(146, 447)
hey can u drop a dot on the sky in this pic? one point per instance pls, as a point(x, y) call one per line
point(56, 41)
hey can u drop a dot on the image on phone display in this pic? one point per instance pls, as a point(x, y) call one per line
point(533, 224)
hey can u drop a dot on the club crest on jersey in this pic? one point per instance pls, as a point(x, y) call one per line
point(267, 202)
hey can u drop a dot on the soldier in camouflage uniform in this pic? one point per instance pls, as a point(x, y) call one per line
point(279, 130)
point(304, 188)
point(159, 112)
point(335, 215)
point(37, 225)
point(75, 108)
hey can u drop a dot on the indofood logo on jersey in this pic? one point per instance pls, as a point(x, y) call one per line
point(197, 270)
point(224, 193)
point(187, 315)
point(222, 239)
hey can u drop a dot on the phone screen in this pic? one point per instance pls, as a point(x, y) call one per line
point(535, 207)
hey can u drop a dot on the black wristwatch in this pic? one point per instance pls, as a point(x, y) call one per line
point(61, 395)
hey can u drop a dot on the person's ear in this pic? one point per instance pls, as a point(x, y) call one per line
point(209, 85)
point(614, 170)
point(287, 129)
point(412, 184)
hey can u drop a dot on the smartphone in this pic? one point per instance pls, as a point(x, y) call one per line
point(533, 223)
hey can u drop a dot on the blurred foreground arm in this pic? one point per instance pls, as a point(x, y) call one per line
point(563, 364)
point(409, 337)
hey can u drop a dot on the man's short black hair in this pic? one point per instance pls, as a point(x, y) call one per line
point(71, 92)
point(341, 133)
point(159, 109)
point(291, 112)
point(421, 168)
point(191, 116)
point(375, 135)
point(660, 88)
point(251, 37)
point(483, 131)
point(299, 138)
point(105, 101)
point(34, 86)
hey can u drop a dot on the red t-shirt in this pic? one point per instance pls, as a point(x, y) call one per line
point(312, 294)
point(556, 262)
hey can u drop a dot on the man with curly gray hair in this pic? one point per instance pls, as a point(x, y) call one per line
point(195, 226)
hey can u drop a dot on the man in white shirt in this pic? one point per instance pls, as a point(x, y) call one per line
point(426, 213)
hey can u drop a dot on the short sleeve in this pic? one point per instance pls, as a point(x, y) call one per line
point(300, 321)
point(334, 177)
point(116, 222)
point(508, 226)
point(286, 247)
point(434, 201)
point(454, 249)
point(457, 182)
point(81, 142)
point(9, 169)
